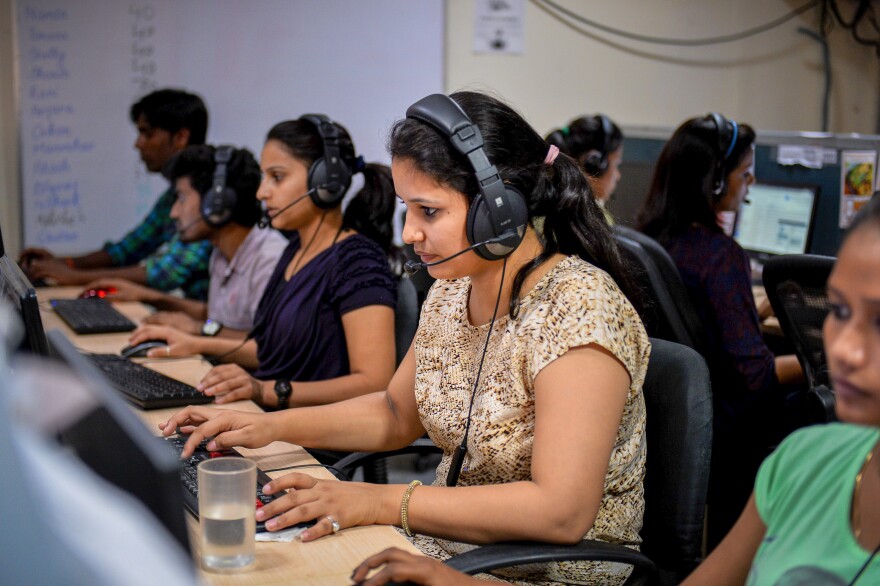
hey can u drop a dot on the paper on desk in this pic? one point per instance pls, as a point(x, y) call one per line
point(285, 536)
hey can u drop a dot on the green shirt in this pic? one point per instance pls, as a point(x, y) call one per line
point(803, 493)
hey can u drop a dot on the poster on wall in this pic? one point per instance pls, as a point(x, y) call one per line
point(499, 26)
point(857, 172)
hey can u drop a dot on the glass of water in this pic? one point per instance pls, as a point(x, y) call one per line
point(227, 493)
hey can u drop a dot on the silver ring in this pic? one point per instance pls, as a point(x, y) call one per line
point(167, 350)
point(334, 524)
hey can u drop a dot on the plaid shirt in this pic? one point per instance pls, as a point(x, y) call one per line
point(169, 262)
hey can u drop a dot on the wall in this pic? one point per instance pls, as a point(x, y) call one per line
point(773, 81)
point(10, 203)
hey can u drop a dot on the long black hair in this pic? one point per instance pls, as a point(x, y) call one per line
point(371, 211)
point(681, 192)
point(559, 193)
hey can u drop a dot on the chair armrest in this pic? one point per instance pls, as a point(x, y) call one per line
point(822, 401)
point(355, 460)
point(514, 553)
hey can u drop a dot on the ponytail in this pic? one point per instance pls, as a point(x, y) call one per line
point(573, 224)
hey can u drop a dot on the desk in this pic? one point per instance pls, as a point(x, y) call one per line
point(329, 560)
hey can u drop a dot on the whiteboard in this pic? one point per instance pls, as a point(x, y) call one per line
point(80, 66)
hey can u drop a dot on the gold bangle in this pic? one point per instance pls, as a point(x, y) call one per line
point(404, 506)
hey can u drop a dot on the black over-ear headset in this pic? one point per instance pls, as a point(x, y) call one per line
point(218, 203)
point(727, 131)
point(499, 211)
point(595, 161)
point(329, 177)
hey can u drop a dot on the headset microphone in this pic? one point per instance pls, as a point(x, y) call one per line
point(411, 266)
point(265, 220)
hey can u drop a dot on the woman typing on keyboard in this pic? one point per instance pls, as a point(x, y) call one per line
point(496, 373)
point(324, 328)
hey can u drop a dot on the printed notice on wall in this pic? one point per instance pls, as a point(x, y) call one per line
point(857, 171)
point(499, 26)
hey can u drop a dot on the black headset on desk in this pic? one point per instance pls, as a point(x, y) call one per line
point(496, 219)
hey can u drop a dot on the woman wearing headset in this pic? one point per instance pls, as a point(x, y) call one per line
point(705, 168)
point(325, 325)
point(596, 143)
point(497, 365)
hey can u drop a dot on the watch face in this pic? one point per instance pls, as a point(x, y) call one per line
point(211, 328)
point(283, 389)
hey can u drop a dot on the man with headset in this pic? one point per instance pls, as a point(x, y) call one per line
point(167, 121)
point(216, 203)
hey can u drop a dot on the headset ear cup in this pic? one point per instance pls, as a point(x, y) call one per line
point(318, 182)
point(479, 225)
point(594, 162)
point(217, 206)
point(317, 176)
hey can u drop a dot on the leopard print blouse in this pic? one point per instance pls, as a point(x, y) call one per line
point(573, 305)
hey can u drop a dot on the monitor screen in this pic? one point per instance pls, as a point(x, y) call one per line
point(18, 292)
point(104, 432)
point(778, 219)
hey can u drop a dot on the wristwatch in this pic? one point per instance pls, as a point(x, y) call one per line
point(211, 328)
point(283, 390)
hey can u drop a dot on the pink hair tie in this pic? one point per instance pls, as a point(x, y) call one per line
point(552, 153)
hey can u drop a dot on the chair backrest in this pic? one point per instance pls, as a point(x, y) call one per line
point(406, 317)
point(678, 403)
point(795, 285)
point(672, 316)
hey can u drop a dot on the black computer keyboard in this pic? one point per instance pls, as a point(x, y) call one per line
point(91, 316)
point(145, 387)
point(189, 477)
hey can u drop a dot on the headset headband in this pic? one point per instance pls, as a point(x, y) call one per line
point(445, 115)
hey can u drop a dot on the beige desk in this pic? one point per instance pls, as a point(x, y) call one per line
point(327, 561)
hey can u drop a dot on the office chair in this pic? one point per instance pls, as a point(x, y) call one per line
point(406, 316)
point(795, 286)
point(672, 315)
point(678, 401)
point(406, 322)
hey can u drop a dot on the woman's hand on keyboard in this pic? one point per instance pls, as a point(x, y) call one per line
point(225, 427)
point(230, 382)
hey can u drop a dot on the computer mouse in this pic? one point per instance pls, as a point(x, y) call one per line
point(140, 350)
point(99, 292)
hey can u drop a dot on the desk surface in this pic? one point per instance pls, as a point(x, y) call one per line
point(329, 560)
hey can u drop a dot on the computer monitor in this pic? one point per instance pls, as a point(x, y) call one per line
point(778, 219)
point(18, 291)
point(110, 439)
